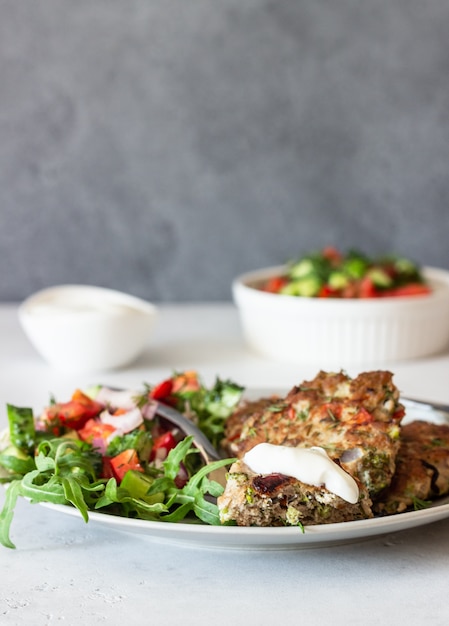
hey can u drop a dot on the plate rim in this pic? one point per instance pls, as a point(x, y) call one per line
point(260, 536)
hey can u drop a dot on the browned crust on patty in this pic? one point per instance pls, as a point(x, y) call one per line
point(277, 500)
point(357, 421)
point(422, 468)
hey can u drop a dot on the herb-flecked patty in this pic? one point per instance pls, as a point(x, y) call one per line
point(356, 420)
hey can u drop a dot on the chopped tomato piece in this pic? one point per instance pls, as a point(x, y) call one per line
point(94, 430)
point(73, 414)
point(331, 410)
point(274, 285)
point(292, 413)
point(399, 413)
point(187, 381)
point(163, 392)
point(367, 288)
point(413, 289)
point(327, 292)
point(332, 254)
point(107, 471)
point(126, 460)
point(162, 446)
point(235, 436)
point(180, 383)
point(361, 417)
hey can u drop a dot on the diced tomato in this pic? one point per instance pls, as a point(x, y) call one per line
point(163, 392)
point(367, 288)
point(399, 413)
point(107, 471)
point(274, 285)
point(167, 390)
point(332, 254)
point(327, 292)
point(94, 431)
point(331, 410)
point(126, 460)
point(412, 289)
point(162, 446)
point(73, 414)
point(186, 381)
point(234, 437)
point(361, 417)
point(350, 291)
point(292, 413)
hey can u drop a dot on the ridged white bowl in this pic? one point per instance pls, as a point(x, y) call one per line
point(87, 328)
point(341, 332)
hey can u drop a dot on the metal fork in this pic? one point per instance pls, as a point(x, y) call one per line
point(205, 447)
point(207, 450)
point(437, 406)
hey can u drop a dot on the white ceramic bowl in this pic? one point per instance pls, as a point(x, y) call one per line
point(342, 332)
point(87, 328)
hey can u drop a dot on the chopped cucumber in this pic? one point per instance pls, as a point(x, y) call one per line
point(16, 461)
point(338, 280)
point(301, 269)
point(355, 267)
point(380, 278)
point(305, 287)
point(138, 484)
point(21, 427)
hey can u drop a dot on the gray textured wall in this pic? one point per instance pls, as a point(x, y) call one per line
point(164, 146)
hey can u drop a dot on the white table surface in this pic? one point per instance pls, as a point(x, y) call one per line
point(65, 571)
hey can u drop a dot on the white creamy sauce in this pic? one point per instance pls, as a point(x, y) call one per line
point(64, 303)
point(311, 466)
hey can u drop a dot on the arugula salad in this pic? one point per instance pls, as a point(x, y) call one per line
point(108, 450)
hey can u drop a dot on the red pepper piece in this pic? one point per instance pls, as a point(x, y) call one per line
point(126, 460)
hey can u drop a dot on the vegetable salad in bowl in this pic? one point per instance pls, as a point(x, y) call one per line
point(340, 310)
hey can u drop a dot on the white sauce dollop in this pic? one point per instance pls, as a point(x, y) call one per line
point(84, 305)
point(311, 466)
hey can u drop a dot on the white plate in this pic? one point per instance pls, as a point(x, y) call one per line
point(246, 538)
point(285, 538)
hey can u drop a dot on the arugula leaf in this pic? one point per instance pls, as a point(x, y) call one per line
point(73, 493)
point(42, 487)
point(192, 495)
point(419, 503)
point(139, 440)
point(206, 511)
point(176, 456)
point(113, 494)
point(7, 513)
